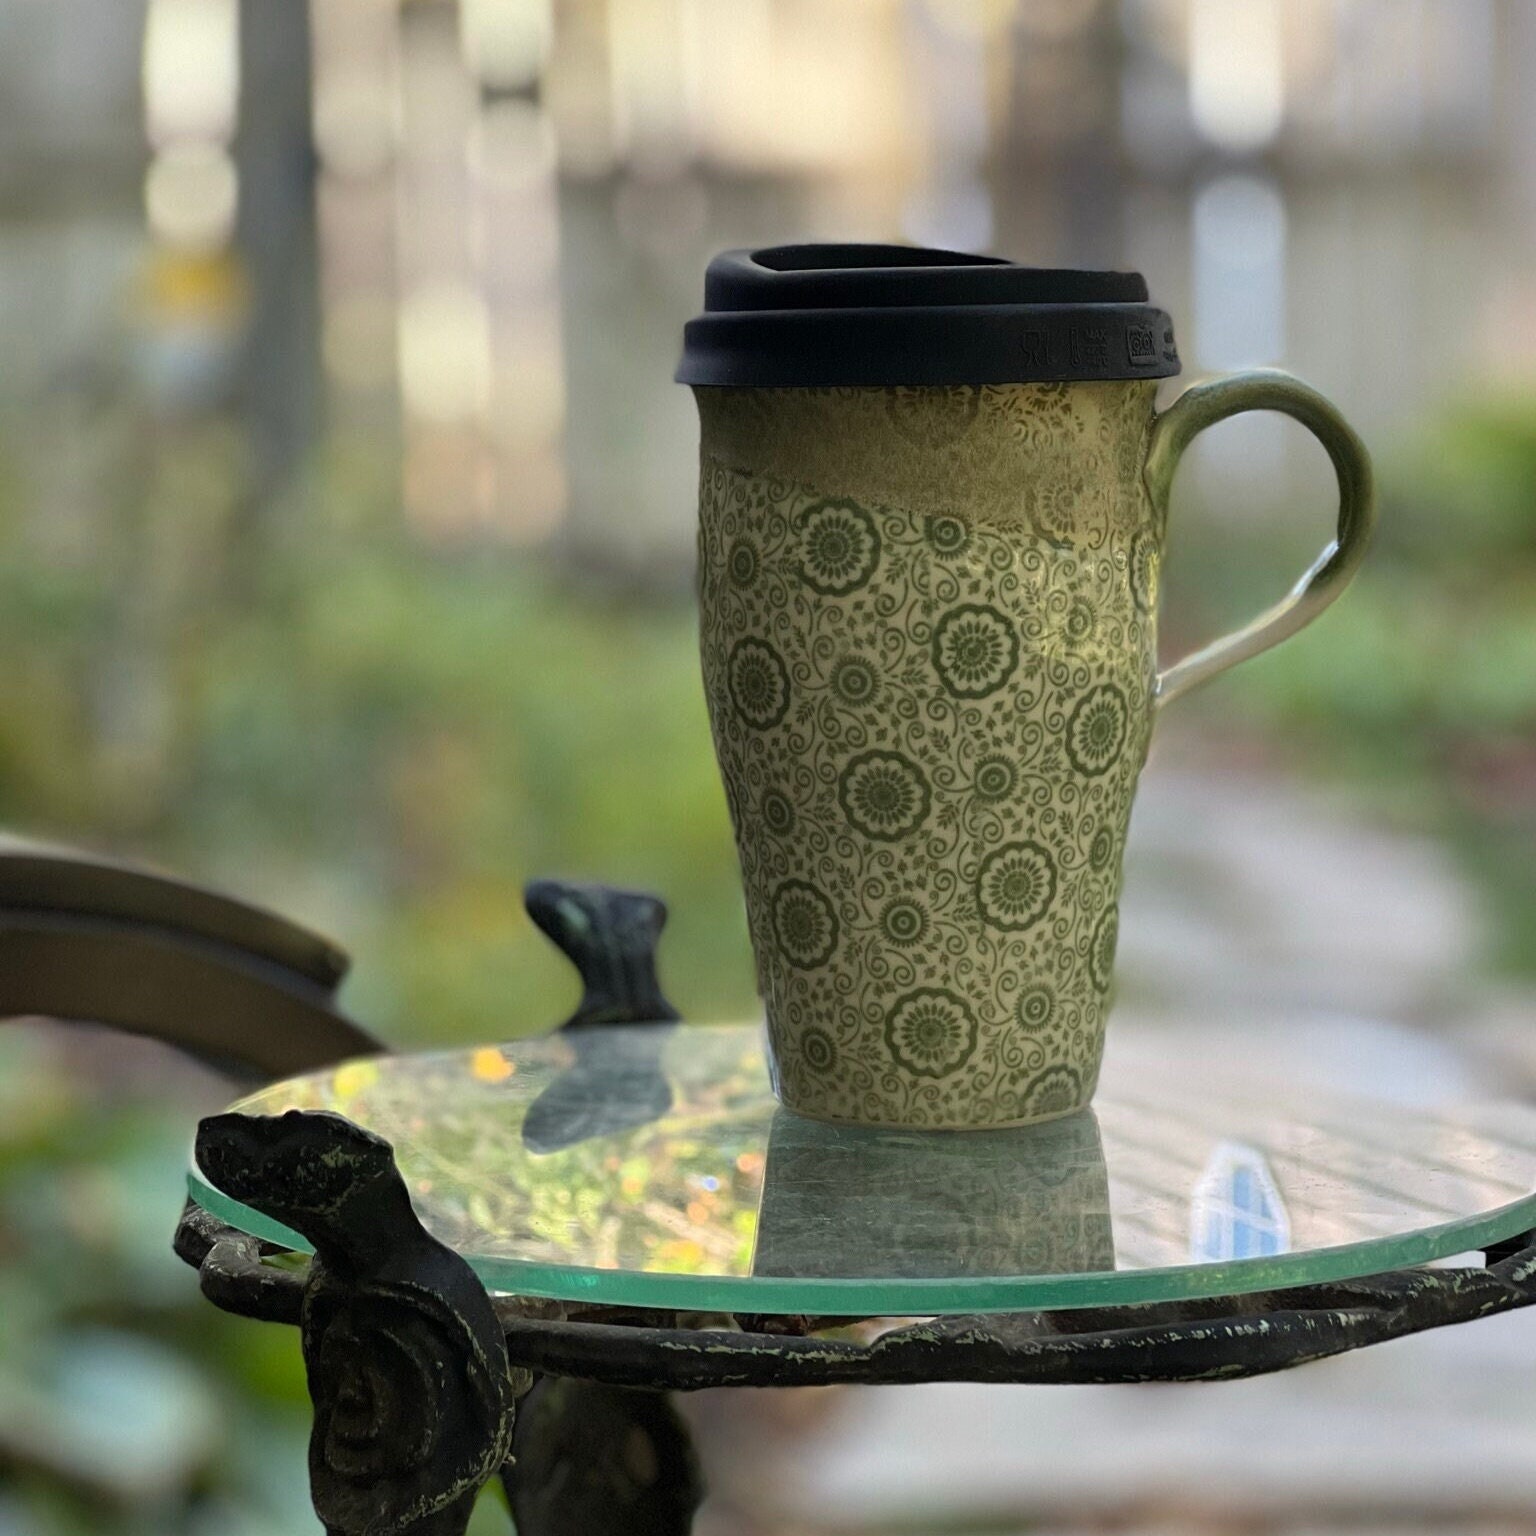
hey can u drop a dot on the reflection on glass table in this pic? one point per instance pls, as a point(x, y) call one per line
point(614, 1082)
point(654, 1167)
point(1033, 1200)
point(1237, 1211)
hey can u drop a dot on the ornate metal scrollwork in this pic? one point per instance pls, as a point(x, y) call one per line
point(405, 1356)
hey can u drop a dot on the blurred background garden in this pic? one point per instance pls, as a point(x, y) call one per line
point(346, 522)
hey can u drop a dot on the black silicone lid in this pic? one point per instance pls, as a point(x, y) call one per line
point(802, 315)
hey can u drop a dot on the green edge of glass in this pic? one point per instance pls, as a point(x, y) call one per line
point(927, 1298)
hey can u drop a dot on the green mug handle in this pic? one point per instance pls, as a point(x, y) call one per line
point(1265, 389)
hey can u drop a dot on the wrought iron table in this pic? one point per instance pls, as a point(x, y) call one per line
point(555, 1233)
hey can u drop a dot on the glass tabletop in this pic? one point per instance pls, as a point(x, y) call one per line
point(652, 1166)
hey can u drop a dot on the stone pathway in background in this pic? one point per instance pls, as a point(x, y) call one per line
point(1248, 897)
point(1241, 889)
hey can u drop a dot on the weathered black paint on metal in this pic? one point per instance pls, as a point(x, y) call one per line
point(405, 1357)
point(1214, 1338)
point(595, 1460)
point(610, 936)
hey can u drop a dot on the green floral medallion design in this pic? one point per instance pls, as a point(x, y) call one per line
point(903, 922)
point(804, 924)
point(996, 778)
point(975, 649)
point(1102, 849)
point(931, 1031)
point(1037, 1006)
point(817, 1049)
point(1101, 947)
point(1097, 730)
point(743, 562)
point(759, 684)
point(884, 795)
point(1080, 622)
point(1057, 1091)
point(839, 547)
point(855, 681)
point(947, 536)
point(1144, 561)
point(1015, 886)
point(928, 636)
point(778, 812)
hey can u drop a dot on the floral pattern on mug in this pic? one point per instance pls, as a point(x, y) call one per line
point(930, 716)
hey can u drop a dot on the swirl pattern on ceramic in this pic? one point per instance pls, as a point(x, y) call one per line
point(930, 702)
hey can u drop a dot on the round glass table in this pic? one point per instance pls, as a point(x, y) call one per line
point(651, 1166)
point(1242, 1199)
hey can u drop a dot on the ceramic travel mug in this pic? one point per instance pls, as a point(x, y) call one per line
point(933, 500)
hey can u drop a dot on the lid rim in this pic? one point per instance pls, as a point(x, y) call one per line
point(830, 315)
point(934, 345)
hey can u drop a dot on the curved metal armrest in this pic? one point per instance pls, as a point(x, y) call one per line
point(92, 940)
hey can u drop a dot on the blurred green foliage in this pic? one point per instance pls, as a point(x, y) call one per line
point(1432, 657)
point(382, 737)
point(314, 708)
point(127, 1406)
